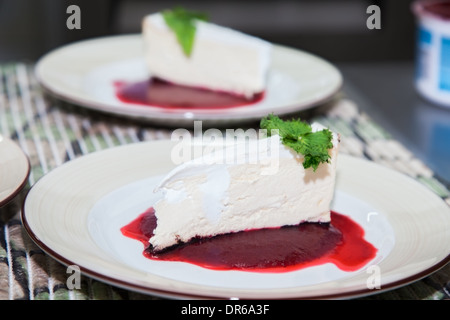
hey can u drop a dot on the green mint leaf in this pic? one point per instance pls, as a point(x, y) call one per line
point(287, 129)
point(183, 24)
point(298, 135)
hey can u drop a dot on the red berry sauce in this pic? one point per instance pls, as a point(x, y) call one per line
point(159, 93)
point(285, 249)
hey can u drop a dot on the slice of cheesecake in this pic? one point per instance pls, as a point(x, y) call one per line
point(257, 184)
point(222, 59)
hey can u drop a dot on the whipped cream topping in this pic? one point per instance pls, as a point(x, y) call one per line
point(253, 184)
point(222, 59)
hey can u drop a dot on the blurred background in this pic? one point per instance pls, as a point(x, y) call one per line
point(333, 29)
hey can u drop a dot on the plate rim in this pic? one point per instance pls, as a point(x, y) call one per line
point(26, 172)
point(149, 289)
point(152, 114)
point(172, 294)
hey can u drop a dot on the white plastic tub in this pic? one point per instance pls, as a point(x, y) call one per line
point(433, 50)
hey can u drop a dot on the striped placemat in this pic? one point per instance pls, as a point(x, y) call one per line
point(52, 132)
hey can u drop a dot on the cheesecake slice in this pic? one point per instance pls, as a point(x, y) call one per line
point(257, 184)
point(222, 59)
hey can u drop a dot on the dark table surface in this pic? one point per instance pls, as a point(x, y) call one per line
point(386, 92)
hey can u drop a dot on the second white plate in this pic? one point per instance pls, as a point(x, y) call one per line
point(75, 213)
point(84, 72)
point(14, 170)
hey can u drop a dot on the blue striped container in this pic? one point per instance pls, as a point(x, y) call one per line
point(433, 50)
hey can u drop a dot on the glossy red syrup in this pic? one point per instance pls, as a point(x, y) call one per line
point(285, 249)
point(163, 94)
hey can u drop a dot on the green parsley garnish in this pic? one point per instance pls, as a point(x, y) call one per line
point(298, 135)
point(182, 23)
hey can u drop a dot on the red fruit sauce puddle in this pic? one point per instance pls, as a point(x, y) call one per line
point(285, 249)
point(159, 93)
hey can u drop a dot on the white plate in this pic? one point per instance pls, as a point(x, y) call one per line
point(14, 170)
point(83, 73)
point(75, 212)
